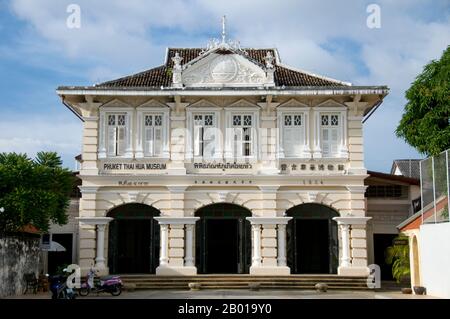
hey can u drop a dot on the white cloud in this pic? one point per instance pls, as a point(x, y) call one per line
point(31, 135)
point(119, 37)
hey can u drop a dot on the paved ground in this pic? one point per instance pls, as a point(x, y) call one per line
point(244, 294)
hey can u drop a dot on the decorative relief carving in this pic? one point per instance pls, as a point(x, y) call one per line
point(224, 69)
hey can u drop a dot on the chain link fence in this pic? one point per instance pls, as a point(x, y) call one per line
point(434, 183)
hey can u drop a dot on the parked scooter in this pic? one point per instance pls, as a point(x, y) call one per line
point(59, 288)
point(111, 284)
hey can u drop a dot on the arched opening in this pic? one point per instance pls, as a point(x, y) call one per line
point(415, 255)
point(312, 239)
point(133, 242)
point(223, 237)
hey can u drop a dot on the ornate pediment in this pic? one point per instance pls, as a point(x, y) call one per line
point(224, 70)
point(115, 103)
point(292, 103)
point(330, 103)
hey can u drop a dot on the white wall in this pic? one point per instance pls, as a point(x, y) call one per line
point(435, 259)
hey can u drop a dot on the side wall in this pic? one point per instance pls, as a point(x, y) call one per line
point(435, 259)
point(19, 255)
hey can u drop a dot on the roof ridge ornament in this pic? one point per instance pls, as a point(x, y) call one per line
point(177, 61)
point(224, 43)
point(269, 58)
point(224, 34)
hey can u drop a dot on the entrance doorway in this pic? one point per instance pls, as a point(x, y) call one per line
point(380, 243)
point(133, 245)
point(223, 237)
point(312, 240)
point(60, 259)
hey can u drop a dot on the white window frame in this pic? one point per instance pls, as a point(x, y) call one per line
point(229, 113)
point(342, 149)
point(103, 134)
point(191, 112)
point(140, 140)
point(305, 151)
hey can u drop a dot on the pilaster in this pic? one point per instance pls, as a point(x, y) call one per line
point(177, 246)
point(353, 259)
point(269, 245)
point(93, 228)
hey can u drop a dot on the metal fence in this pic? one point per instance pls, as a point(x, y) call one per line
point(434, 184)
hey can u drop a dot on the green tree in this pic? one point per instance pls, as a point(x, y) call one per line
point(35, 192)
point(425, 122)
point(397, 255)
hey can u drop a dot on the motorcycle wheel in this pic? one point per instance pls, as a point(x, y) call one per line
point(116, 291)
point(83, 291)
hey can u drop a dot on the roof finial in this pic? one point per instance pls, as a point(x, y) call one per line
point(223, 29)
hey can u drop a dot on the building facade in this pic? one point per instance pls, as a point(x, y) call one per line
point(389, 201)
point(59, 246)
point(223, 160)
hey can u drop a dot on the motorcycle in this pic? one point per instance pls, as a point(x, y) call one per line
point(59, 288)
point(111, 284)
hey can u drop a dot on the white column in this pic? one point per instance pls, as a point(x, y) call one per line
point(345, 235)
point(100, 225)
point(281, 245)
point(256, 260)
point(100, 258)
point(189, 257)
point(164, 256)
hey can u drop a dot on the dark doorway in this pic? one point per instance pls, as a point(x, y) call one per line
point(60, 259)
point(222, 246)
point(133, 239)
point(223, 239)
point(380, 243)
point(312, 245)
point(312, 240)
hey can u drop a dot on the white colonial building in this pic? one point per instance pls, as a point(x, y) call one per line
point(223, 160)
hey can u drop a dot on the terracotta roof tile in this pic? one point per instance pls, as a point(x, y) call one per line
point(161, 76)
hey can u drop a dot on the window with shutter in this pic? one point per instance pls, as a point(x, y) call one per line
point(153, 135)
point(330, 134)
point(293, 135)
point(242, 135)
point(116, 134)
point(204, 138)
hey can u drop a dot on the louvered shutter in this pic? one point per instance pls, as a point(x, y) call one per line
point(237, 142)
point(326, 141)
point(158, 141)
point(149, 140)
point(288, 141)
point(121, 140)
point(197, 140)
point(297, 140)
point(209, 142)
point(334, 140)
point(111, 140)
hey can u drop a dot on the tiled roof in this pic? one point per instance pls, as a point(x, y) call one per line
point(392, 177)
point(161, 76)
point(407, 167)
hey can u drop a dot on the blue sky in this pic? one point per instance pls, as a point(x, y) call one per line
point(38, 53)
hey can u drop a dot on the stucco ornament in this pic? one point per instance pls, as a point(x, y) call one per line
point(177, 61)
point(223, 68)
point(269, 60)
